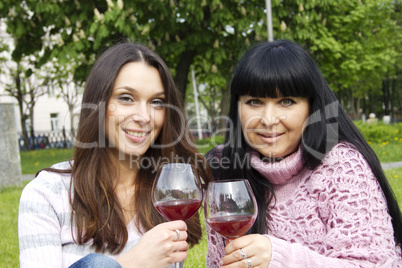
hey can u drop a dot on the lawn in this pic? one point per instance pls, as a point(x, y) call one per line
point(33, 161)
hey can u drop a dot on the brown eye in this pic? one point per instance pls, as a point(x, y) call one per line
point(157, 103)
point(253, 102)
point(287, 102)
point(126, 98)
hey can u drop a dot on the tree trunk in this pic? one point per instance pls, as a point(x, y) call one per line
point(31, 116)
point(224, 108)
point(182, 70)
point(71, 108)
point(393, 97)
point(386, 95)
point(371, 104)
point(352, 105)
point(20, 100)
point(358, 109)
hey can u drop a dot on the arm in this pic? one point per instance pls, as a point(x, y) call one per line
point(38, 226)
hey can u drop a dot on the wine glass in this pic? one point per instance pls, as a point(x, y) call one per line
point(230, 207)
point(177, 192)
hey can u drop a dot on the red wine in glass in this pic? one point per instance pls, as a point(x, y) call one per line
point(230, 207)
point(231, 226)
point(178, 209)
point(177, 192)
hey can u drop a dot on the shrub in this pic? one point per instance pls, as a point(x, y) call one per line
point(381, 133)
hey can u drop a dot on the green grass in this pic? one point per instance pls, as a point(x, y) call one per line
point(33, 161)
point(197, 254)
point(394, 177)
point(9, 199)
point(387, 152)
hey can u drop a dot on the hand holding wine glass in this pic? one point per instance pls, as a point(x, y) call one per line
point(177, 192)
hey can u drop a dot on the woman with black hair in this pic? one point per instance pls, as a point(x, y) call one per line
point(323, 199)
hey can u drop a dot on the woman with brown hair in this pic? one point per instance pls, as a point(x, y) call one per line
point(131, 123)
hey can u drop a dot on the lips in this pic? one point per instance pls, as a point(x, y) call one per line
point(136, 133)
point(136, 136)
point(270, 138)
point(270, 135)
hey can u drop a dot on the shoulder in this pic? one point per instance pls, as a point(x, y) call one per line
point(344, 167)
point(345, 158)
point(49, 183)
point(46, 198)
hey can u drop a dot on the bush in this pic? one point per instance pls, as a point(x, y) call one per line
point(380, 133)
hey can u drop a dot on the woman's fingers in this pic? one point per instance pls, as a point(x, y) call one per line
point(173, 225)
point(179, 235)
point(238, 243)
point(159, 247)
point(248, 251)
point(178, 256)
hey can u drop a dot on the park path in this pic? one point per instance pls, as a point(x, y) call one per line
point(385, 166)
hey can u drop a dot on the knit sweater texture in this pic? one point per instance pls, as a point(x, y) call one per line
point(333, 216)
point(44, 224)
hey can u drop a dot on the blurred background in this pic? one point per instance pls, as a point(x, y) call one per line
point(47, 48)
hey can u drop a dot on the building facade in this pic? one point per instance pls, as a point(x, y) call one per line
point(51, 114)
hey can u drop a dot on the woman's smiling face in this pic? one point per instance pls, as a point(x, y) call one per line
point(135, 111)
point(273, 126)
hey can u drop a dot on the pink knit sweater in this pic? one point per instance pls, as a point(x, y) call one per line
point(333, 216)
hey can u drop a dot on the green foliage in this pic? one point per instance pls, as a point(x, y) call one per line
point(356, 43)
point(385, 140)
point(381, 133)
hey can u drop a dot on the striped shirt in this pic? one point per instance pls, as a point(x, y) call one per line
point(44, 225)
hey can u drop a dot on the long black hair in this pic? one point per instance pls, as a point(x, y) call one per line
point(283, 67)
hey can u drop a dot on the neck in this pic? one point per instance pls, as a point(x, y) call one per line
point(278, 172)
point(125, 188)
point(127, 169)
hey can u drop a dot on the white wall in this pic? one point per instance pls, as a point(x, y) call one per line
point(46, 106)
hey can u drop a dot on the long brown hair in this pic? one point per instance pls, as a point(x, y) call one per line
point(96, 212)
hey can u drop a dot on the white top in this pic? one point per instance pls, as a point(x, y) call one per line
point(44, 227)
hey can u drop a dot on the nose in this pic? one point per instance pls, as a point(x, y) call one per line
point(270, 116)
point(142, 114)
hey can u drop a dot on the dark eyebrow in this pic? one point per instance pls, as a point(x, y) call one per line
point(134, 91)
point(159, 94)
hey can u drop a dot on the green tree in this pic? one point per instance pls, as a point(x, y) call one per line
point(26, 88)
point(179, 31)
point(355, 42)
